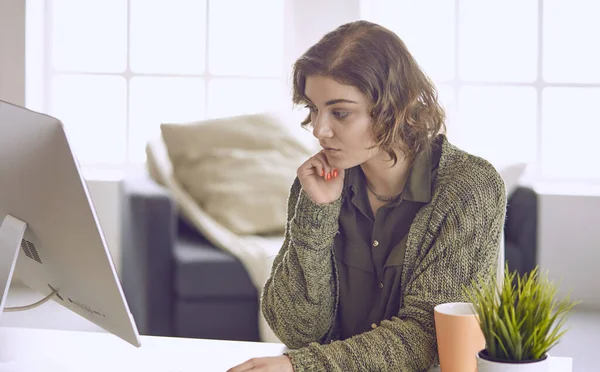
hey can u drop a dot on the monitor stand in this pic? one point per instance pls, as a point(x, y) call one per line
point(12, 231)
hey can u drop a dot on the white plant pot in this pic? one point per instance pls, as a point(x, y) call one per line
point(484, 365)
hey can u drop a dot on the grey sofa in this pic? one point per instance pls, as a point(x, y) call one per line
point(177, 284)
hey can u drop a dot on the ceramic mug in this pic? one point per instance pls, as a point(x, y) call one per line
point(459, 337)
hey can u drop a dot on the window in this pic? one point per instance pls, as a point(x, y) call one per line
point(519, 78)
point(114, 70)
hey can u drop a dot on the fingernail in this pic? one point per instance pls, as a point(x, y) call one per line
point(328, 176)
point(335, 173)
point(322, 172)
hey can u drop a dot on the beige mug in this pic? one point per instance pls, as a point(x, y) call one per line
point(459, 337)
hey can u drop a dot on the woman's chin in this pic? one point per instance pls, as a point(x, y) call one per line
point(340, 164)
point(338, 161)
point(335, 162)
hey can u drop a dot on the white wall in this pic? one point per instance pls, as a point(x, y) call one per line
point(569, 234)
point(105, 194)
point(12, 51)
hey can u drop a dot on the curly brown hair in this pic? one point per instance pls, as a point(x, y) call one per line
point(406, 112)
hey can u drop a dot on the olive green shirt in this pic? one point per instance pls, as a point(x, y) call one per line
point(369, 250)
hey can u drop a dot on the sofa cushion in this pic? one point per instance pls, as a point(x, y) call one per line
point(204, 271)
point(514, 257)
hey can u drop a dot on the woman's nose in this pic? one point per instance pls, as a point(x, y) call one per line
point(321, 129)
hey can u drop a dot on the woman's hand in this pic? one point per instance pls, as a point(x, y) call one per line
point(319, 180)
point(270, 364)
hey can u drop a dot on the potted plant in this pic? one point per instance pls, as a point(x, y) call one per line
point(521, 321)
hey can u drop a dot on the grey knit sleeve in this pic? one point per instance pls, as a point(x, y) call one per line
point(298, 300)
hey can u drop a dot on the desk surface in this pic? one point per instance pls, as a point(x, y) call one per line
point(37, 350)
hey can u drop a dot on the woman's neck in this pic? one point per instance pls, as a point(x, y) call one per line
point(384, 179)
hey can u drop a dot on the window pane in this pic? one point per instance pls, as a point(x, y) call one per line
point(428, 34)
point(498, 123)
point(571, 129)
point(168, 36)
point(155, 100)
point(246, 37)
point(447, 99)
point(93, 109)
point(571, 40)
point(89, 35)
point(229, 97)
point(498, 40)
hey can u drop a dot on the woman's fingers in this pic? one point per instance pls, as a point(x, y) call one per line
point(318, 166)
point(246, 366)
point(329, 172)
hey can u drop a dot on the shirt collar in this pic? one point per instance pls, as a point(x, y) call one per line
point(418, 183)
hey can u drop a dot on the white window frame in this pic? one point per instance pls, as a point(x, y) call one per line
point(39, 88)
point(535, 167)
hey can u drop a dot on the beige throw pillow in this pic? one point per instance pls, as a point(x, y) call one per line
point(244, 190)
point(190, 141)
point(239, 169)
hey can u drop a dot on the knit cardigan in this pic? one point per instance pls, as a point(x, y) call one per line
point(453, 240)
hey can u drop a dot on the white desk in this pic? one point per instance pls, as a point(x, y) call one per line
point(37, 350)
point(41, 350)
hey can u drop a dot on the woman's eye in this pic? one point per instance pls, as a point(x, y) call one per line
point(340, 114)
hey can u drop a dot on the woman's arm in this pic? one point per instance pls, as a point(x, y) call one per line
point(466, 246)
point(298, 299)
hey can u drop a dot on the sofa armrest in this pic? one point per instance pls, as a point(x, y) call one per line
point(148, 238)
point(521, 226)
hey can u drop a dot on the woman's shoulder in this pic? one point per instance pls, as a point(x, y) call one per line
point(465, 176)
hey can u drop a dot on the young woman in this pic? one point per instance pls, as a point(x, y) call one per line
point(384, 223)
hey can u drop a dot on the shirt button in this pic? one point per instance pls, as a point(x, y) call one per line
point(373, 325)
point(375, 243)
point(380, 285)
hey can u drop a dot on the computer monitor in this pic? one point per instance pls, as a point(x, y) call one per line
point(50, 237)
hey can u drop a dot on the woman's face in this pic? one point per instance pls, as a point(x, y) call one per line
point(341, 121)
